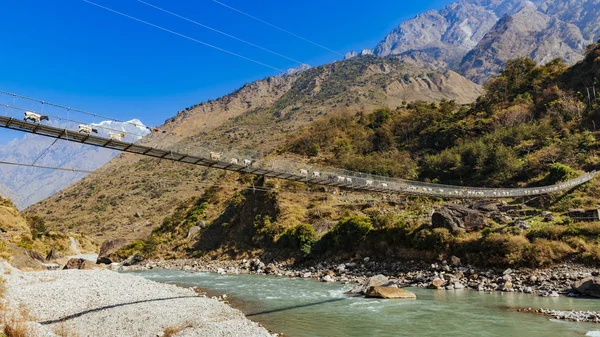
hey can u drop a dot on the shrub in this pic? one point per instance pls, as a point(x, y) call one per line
point(351, 230)
point(438, 239)
point(37, 225)
point(265, 230)
point(558, 172)
point(301, 237)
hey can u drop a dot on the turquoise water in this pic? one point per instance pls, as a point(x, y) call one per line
point(306, 308)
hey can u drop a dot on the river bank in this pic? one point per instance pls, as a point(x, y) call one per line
point(105, 303)
point(446, 275)
point(299, 307)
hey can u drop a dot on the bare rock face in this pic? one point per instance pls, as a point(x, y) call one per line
point(588, 286)
point(477, 37)
point(107, 250)
point(389, 292)
point(447, 35)
point(453, 217)
point(531, 33)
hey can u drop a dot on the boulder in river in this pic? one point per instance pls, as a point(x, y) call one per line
point(388, 292)
point(377, 280)
point(107, 251)
point(589, 286)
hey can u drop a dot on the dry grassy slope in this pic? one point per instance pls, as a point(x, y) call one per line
point(12, 222)
point(17, 233)
point(259, 116)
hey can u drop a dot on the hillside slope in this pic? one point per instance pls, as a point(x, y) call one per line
point(530, 128)
point(258, 117)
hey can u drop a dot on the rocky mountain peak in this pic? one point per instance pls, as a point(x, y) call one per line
point(476, 37)
point(296, 70)
point(353, 53)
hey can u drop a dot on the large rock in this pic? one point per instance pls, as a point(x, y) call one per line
point(389, 292)
point(454, 217)
point(437, 283)
point(53, 255)
point(589, 286)
point(377, 280)
point(81, 264)
point(107, 251)
point(193, 232)
point(27, 260)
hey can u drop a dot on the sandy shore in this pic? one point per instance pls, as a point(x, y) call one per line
point(105, 303)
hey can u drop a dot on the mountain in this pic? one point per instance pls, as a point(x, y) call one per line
point(259, 117)
point(26, 186)
point(477, 37)
point(293, 71)
point(528, 129)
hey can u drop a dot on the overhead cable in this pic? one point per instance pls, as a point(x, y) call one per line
point(278, 28)
point(220, 32)
point(182, 35)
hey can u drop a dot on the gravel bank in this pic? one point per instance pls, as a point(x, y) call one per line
point(105, 303)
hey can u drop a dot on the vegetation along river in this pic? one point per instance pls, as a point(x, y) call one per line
point(303, 308)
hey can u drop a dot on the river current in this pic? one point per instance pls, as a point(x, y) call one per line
point(307, 308)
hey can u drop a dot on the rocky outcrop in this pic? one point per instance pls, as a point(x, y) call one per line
point(588, 286)
point(454, 217)
point(389, 293)
point(353, 53)
point(107, 251)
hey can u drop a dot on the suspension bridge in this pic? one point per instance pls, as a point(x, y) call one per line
point(299, 172)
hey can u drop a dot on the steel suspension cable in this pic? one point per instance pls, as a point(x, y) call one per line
point(183, 36)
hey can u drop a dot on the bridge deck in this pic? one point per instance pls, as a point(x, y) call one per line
point(396, 186)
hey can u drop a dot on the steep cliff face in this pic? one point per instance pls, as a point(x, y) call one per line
point(477, 37)
point(537, 33)
point(446, 35)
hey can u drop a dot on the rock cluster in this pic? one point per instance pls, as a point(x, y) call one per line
point(575, 316)
point(562, 279)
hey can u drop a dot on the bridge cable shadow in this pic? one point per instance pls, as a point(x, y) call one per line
point(79, 314)
point(295, 307)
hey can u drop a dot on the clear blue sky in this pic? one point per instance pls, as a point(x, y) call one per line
point(76, 54)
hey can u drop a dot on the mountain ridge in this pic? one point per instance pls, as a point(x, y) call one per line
point(477, 37)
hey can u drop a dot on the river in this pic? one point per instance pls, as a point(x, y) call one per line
point(306, 308)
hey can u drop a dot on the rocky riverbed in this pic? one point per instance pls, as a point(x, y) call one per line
point(567, 279)
point(573, 315)
point(105, 303)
